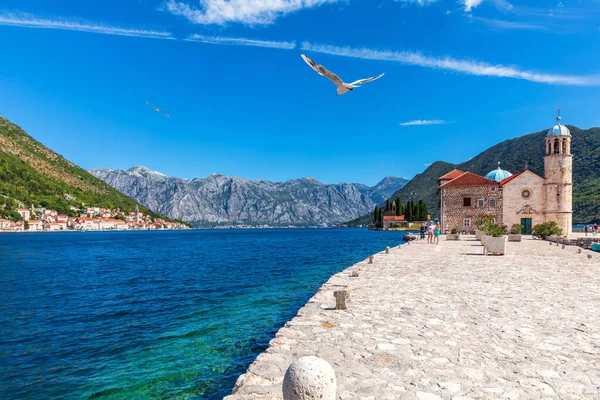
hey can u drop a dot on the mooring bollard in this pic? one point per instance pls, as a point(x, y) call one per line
point(580, 251)
point(371, 259)
point(400, 246)
point(550, 243)
point(309, 378)
point(354, 274)
point(589, 256)
point(340, 299)
point(387, 250)
point(563, 246)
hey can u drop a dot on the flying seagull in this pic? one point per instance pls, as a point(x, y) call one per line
point(156, 109)
point(342, 87)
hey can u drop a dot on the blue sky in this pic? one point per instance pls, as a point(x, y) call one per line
point(460, 76)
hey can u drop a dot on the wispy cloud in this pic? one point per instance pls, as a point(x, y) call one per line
point(469, 67)
point(241, 42)
point(511, 25)
point(250, 12)
point(421, 3)
point(418, 122)
point(470, 4)
point(30, 21)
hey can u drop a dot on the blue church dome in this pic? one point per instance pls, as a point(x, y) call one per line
point(558, 129)
point(498, 174)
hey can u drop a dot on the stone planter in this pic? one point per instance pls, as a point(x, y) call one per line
point(494, 245)
point(483, 238)
point(452, 236)
point(514, 237)
point(478, 234)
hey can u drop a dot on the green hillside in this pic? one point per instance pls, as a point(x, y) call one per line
point(30, 173)
point(514, 155)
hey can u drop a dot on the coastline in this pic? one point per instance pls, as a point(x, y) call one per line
point(463, 327)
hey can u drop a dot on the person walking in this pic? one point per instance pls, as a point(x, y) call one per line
point(586, 229)
point(422, 230)
point(437, 233)
point(595, 229)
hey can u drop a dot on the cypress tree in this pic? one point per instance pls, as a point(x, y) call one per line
point(398, 207)
point(401, 207)
point(375, 215)
point(425, 211)
point(387, 205)
point(415, 211)
point(422, 211)
point(408, 212)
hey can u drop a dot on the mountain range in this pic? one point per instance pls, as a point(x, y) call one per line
point(224, 200)
point(515, 155)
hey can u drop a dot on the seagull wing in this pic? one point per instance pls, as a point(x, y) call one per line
point(361, 81)
point(152, 105)
point(321, 70)
point(163, 112)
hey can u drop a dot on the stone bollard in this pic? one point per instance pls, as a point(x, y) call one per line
point(340, 299)
point(371, 259)
point(557, 244)
point(354, 274)
point(387, 250)
point(589, 256)
point(309, 378)
point(400, 246)
point(563, 246)
point(550, 243)
point(579, 251)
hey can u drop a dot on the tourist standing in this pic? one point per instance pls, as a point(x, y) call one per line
point(586, 229)
point(430, 232)
point(596, 228)
point(438, 232)
point(422, 230)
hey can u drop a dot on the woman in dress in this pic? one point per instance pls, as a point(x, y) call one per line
point(438, 232)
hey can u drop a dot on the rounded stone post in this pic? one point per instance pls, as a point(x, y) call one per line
point(309, 378)
point(563, 246)
point(550, 243)
point(589, 256)
point(387, 250)
point(340, 299)
point(371, 259)
point(400, 246)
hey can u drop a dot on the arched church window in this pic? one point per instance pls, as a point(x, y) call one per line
point(556, 146)
point(549, 149)
point(564, 146)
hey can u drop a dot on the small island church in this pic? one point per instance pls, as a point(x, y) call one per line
point(523, 198)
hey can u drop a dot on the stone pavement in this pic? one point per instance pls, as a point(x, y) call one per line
point(442, 321)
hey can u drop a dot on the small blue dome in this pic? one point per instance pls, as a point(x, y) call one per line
point(498, 175)
point(559, 130)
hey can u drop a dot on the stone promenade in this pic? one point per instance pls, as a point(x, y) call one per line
point(442, 321)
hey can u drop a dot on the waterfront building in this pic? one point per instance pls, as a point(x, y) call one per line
point(25, 213)
point(35, 225)
point(523, 198)
point(5, 224)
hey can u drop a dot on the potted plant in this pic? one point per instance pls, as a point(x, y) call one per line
point(453, 235)
point(546, 230)
point(515, 233)
point(495, 243)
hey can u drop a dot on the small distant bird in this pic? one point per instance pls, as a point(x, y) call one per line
point(342, 87)
point(156, 109)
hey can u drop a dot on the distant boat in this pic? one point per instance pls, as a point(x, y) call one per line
point(596, 247)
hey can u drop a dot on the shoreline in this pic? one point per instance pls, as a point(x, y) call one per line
point(463, 327)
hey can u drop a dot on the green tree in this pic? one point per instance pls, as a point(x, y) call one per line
point(26, 226)
point(375, 215)
point(422, 211)
point(408, 215)
point(399, 207)
point(387, 205)
point(415, 211)
point(546, 229)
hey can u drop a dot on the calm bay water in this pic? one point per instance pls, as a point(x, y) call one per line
point(155, 315)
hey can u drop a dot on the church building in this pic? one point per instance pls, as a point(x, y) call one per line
point(523, 198)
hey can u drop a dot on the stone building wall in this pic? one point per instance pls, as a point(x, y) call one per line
point(454, 213)
point(516, 206)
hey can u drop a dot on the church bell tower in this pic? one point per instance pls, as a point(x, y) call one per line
point(558, 170)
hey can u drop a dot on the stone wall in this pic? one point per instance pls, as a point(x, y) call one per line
point(454, 213)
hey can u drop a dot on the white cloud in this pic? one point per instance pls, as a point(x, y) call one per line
point(418, 122)
point(30, 21)
point(470, 4)
point(469, 67)
point(250, 12)
point(502, 24)
point(241, 42)
point(421, 3)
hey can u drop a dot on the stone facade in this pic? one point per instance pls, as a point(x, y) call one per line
point(485, 200)
point(524, 198)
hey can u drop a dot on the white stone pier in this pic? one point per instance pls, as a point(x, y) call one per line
point(431, 322)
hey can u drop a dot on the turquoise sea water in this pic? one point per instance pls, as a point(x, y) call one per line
point(155, 315)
